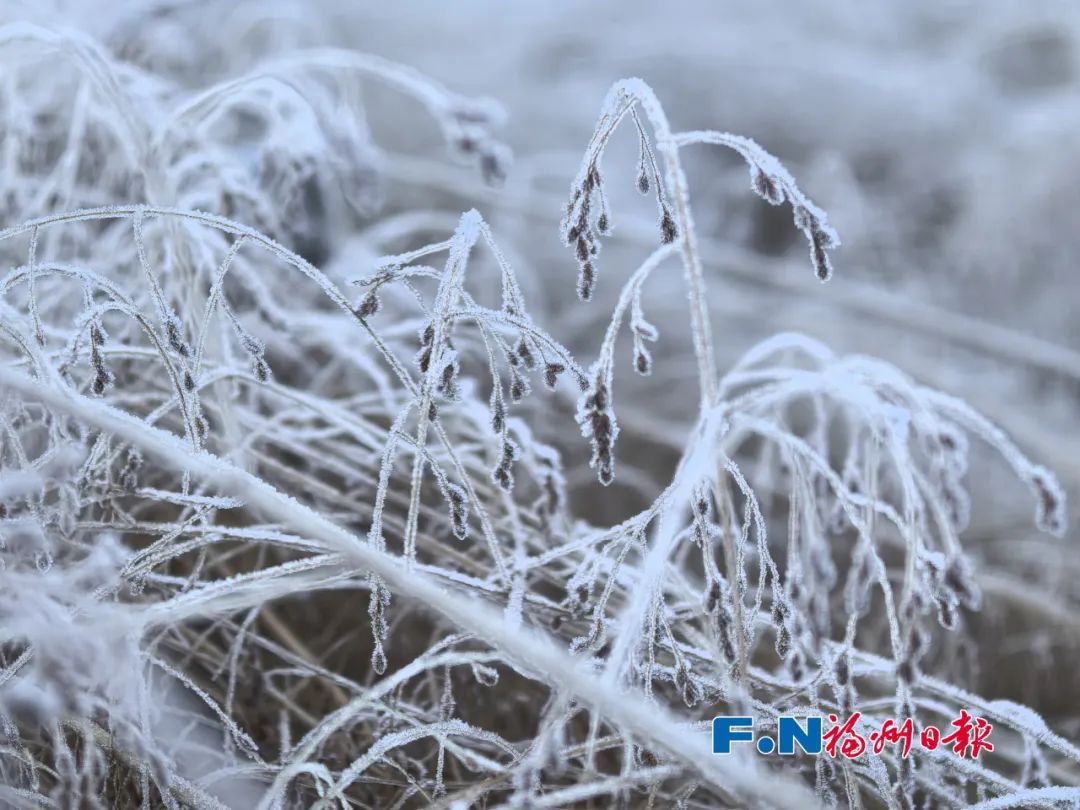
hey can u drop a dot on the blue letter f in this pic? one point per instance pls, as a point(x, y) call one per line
point(728, 729)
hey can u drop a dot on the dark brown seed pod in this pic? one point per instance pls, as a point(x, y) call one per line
point(583, 250)
point(586, 281)
point(1050, 507)
point(766, 186)
point(797, 665)
point(448, 381)
point(946, 613)
point(822, 265)
point(423, 359)
point(498, 416)
point(642, 361)
point(525, 353)
point(519, 386)
point(783, 641)
point(802, 218)
point(725, 624)
point(668, 230)
point(551, 374)
point(958, 580)
point(459, 510)
point(260, 369)
point(100, 384)
point(843, 670)
point(369, 305)
point(713, 597)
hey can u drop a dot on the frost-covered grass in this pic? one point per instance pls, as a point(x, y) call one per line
point(320, 487)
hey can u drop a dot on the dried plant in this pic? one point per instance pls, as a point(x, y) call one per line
point(281, 536)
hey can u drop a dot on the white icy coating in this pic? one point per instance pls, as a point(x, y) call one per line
point(288, 520)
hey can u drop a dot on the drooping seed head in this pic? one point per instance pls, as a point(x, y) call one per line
point(669, 231)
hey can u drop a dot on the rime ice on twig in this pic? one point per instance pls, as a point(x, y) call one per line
point(248, 554)
point(774, 184)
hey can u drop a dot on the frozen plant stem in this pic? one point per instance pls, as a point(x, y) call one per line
point(731, 561)
point(147, 329)
point(633, 91)
point(464, 238)
point(693, 468)
point(771, 181)
point(534, 651)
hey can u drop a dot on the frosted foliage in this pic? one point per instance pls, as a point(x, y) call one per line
point(320, 488)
